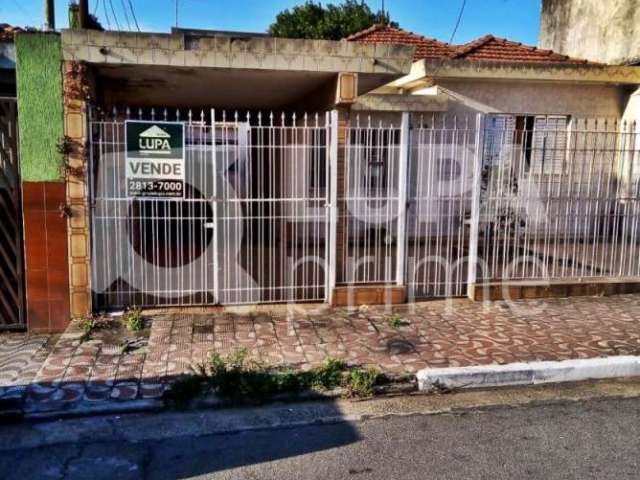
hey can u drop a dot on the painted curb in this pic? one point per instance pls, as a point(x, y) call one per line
point(532, 373)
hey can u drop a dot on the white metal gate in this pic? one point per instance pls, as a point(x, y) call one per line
point(252, 227)
point(405, 203)
point(560, 199)
point(443, 163)
point(275, 212)
point(272, 217)
point(368, 197)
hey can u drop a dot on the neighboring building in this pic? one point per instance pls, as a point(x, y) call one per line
point(426, 168)
point(7, 61)
point(602, 31)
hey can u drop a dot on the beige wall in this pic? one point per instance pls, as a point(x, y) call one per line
point(600, 30)
point(538, 98)
point(632, 109)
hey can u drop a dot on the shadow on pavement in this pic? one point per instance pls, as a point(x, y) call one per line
point(168, 445)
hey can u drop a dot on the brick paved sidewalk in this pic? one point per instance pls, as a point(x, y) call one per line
point(95, 372)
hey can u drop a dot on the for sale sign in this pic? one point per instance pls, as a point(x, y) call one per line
point(155, 159)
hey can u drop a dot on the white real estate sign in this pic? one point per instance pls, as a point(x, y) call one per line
point(155, 156)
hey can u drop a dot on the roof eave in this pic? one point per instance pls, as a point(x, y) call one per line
point(428, 70)
point(259, 53)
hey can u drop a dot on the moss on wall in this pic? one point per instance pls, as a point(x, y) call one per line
point(40, 105)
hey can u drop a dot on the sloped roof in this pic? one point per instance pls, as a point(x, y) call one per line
point(495, 49)
point(7, 32)
point(487, 48)
point(425, 47)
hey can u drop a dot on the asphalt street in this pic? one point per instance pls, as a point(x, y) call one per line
point(592, 439)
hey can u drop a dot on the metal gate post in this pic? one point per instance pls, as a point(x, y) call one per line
point(216, 286)
point(331, 262)
point(402, 198)
point(475, 205)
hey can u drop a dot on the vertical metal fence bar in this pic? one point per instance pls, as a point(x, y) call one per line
point(475, 203)
point(215, 200)
point(402, 199)
point(332, 184)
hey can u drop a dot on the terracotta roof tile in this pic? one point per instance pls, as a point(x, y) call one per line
point(487, 48)
point(7, 32)
point(495, 49)
point(425, 47)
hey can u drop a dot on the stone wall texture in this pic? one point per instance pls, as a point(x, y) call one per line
point(600, 30)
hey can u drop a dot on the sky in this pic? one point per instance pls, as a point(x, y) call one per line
point(514, 19)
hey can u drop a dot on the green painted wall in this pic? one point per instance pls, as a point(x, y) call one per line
point(40, 105)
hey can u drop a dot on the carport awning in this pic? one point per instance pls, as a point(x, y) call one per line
point(262, 72)
point(207, 87)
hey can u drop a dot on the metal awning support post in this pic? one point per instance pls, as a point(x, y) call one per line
point(402, 198)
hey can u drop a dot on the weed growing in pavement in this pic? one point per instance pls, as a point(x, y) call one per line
point(238, 379)
point(87, 325)
point(329, 375)
point(133, 320)
point(395, 321)
point(361, 382)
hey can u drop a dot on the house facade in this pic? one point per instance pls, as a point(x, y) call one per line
point(212, 168)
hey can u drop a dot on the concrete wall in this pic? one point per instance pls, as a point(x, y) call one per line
point(601, 30)
point(531, 97)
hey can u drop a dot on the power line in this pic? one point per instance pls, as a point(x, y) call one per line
point(106, 14)
point(455, 29)
point(453, 34)
point(115, 17)
point(126, 15)
point(133, 14)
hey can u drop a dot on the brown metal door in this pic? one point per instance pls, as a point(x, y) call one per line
point(11, 261)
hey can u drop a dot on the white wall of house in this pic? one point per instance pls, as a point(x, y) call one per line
point(534, 98)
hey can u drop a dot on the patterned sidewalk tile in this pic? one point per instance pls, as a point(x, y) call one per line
point(430, 334)
point(21, 356)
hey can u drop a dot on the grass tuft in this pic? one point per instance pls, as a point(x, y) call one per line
point(361, 382)
point(238, 379)
point(88, 325)
point(133, 320)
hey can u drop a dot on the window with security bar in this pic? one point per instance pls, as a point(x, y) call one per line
point(540, 141)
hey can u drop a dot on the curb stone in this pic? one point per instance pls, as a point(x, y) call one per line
point(530, 373)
